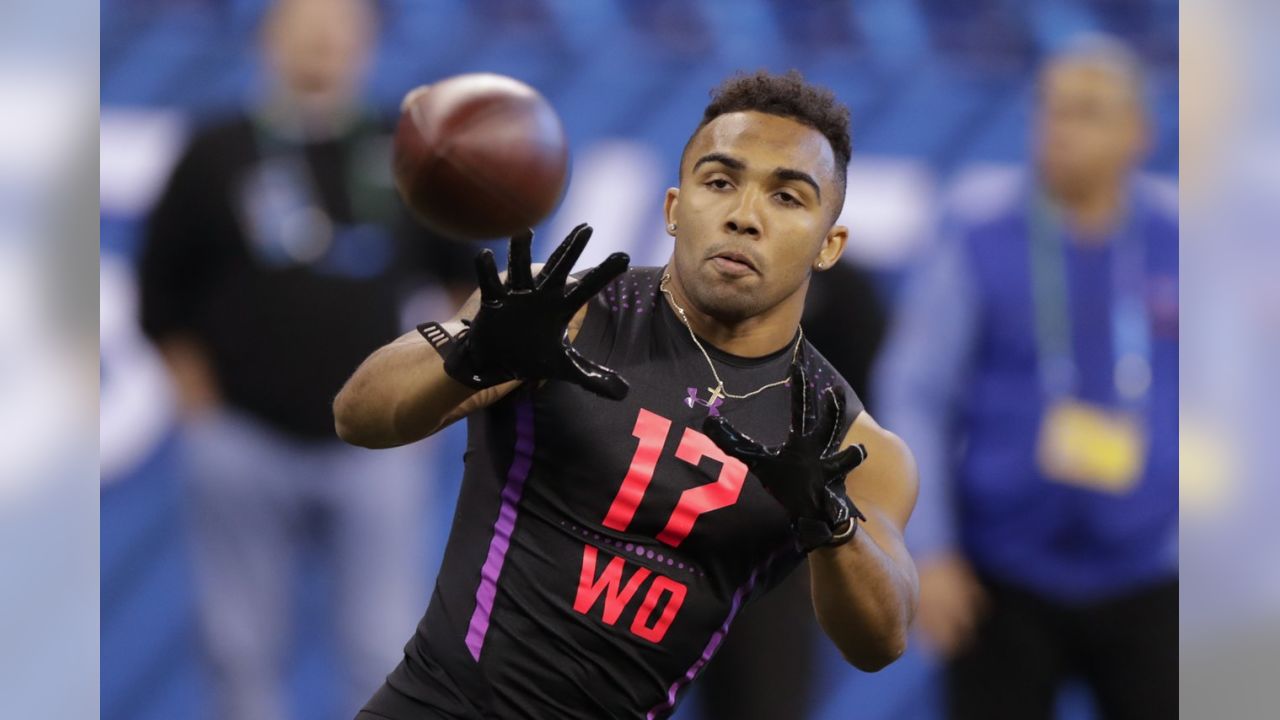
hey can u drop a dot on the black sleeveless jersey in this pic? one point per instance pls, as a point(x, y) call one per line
point(600, 550)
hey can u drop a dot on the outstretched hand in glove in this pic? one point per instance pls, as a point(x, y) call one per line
point(520, 331)
point(806, 473)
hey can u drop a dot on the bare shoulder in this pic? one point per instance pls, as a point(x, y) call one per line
point(866, 430)
point(887, 479)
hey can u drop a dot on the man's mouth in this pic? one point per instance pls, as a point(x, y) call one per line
point(734, 263)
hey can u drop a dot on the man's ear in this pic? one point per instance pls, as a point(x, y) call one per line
point(669, 205)
point(832, 248)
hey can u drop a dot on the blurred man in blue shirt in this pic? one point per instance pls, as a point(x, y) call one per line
point(1033, 369)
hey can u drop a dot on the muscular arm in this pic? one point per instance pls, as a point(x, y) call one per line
point(865, 591)
point(401, 394)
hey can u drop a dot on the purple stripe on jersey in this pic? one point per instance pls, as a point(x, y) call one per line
point(716, 637)
point(502, 528)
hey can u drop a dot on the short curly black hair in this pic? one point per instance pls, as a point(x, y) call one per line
point(790, 96)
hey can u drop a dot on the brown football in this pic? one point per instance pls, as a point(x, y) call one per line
point(479, 156)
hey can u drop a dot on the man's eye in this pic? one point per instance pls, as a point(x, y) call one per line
point(788, 199)
point(719, 184)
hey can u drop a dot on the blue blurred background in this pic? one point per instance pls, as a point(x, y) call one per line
point(940, 93)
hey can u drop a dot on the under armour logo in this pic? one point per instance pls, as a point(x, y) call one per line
point(711, 405)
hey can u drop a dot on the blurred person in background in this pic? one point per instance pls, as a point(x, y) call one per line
point(846, 321)
point(276, 259)
point(1033, 369)
point(767, 667)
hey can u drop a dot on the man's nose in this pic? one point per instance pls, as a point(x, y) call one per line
point(744, 219)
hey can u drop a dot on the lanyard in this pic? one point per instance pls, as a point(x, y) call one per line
point(1130, 326)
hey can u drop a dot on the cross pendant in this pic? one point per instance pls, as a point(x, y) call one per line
point(716, 393)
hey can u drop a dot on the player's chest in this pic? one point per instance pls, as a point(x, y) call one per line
point(642, 471)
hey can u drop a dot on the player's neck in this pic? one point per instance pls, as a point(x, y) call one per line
point(755, 336)
point(1095, 211)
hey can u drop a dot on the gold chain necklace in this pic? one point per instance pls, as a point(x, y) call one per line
point(718, 391)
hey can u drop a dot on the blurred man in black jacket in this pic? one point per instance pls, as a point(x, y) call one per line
point(277, 258)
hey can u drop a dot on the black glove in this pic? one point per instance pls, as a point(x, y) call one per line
point(806, 473)
point(521, 329)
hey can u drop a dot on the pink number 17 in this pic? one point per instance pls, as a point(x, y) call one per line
point(651, 430)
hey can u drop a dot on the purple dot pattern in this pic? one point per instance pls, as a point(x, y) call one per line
point(630, 547)
point(627, 293)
